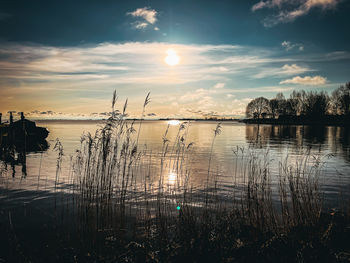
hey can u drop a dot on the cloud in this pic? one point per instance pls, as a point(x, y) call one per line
point(285, 70)
point(290, 46)
point(288, 10)
point(293, 69)
point(47, 112)
point(196, 95)
point(147, 15)
point(50, 114)
point(307, 80)
point(267, 4)
point(273, 89)
point(140, 25)
point(219, 85)
point(150, 15)
point(204, 113)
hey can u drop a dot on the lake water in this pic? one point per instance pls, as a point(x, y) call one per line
point(332, 144)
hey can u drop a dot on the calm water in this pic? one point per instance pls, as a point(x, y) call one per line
point(331, 143)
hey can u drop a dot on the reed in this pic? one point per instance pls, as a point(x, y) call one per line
point(117, 183)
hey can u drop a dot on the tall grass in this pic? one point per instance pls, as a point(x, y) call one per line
point(116, 179)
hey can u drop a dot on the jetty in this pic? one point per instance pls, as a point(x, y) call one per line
point(21, 132)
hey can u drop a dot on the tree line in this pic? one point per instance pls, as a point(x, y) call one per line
point(302, 104)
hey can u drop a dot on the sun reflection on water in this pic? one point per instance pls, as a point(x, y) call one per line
point(174, 122)
point(171, 178)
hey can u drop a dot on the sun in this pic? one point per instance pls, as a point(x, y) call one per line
point(172, 59)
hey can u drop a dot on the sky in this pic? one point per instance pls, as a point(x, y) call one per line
point(63, 59)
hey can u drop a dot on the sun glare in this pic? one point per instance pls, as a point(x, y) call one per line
point(171, 178)
point(173, 122)
point(172, 58)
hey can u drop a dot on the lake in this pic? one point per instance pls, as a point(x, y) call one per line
point(331, 144)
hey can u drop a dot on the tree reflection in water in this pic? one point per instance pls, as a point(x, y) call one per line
point(298, 136)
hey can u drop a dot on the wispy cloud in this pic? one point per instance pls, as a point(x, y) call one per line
point(285, 70)
point(140, 25)
point(288, 10)
point(290, 46)
point(219, 85)
point(307, 80)
point(293, 69)
point(146, 16)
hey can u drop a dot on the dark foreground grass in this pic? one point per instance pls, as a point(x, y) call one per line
point(35, 236)
point(120, 208)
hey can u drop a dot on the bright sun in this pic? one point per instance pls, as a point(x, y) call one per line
point(172, 58)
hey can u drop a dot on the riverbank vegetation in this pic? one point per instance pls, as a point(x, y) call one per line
point(302, 107)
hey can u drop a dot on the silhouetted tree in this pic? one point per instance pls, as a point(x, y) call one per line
point(281, 104)
point(292, 106)
point(258, 108)
point(280, 96)
point(274, 107)
point(298, 101)
point(336, 103)
point(341, 100)
point(317, 104)
point(313, 105)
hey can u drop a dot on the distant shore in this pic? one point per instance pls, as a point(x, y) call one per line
point(161, 119)
point(325, 121)
point(300, 120)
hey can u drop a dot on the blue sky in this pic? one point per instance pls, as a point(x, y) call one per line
point(63, 59)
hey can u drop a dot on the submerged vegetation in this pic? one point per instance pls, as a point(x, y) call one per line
point(128, 204)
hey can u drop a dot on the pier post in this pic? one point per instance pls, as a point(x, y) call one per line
point(0, 130)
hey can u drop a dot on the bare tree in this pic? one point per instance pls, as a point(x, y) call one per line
point(292, 106)
point(280, 96)
point(258, 107)
point(341, 100)
point(317, 104)
point(274, 107)
point(282, 104)
point(299, 102)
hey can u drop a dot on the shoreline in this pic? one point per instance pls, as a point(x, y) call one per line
point(326, 121)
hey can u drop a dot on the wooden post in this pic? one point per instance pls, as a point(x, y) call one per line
point(0, 131)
